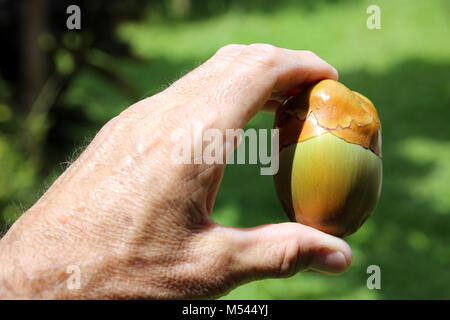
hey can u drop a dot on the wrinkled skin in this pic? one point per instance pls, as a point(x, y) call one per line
point(138, 225)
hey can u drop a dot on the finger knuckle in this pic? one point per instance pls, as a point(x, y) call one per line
point(292, 260)
point(262, 47)
point(229, 48)
point(309, 54)
point(262, 53)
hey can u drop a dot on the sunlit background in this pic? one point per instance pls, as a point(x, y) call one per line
point(58, 87)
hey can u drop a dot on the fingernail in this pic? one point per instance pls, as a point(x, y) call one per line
point(329, 261)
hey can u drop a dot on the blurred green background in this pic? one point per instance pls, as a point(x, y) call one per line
point(58, 87)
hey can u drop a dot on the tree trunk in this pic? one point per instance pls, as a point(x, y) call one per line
point(33, 66)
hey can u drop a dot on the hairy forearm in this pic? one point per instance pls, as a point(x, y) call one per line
point(43, 259)
point(27, 270)
point(40, 258)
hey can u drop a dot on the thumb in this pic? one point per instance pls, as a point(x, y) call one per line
point(281, 250)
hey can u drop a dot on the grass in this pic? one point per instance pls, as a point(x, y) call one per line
point(403, 68)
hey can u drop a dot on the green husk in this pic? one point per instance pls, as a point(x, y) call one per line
point(329, 184)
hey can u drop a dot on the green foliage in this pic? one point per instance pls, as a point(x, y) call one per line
point(17, 181)
point(403, 68)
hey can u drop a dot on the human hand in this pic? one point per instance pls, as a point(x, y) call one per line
point(138, 225)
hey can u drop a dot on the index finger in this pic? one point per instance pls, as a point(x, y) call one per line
point(242, 86)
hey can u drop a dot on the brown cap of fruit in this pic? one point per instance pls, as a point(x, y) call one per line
point(329, 106)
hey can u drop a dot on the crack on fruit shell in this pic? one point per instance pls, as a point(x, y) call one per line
point(332, 107)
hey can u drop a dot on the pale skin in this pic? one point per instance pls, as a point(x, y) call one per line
point(139, 226)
